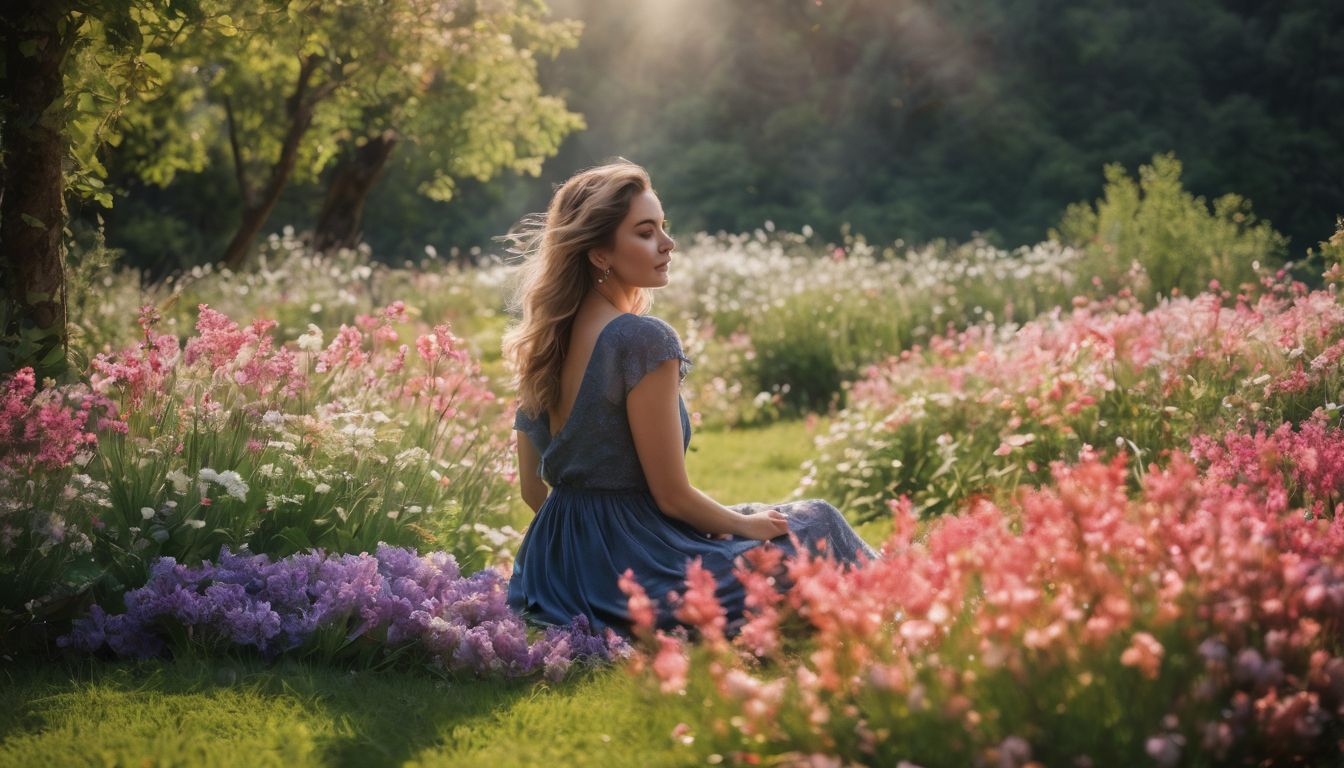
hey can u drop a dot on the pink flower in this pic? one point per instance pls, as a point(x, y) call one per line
point(1144, 652)
point(345, 349)
point(671, 664)
point(640, 606)
point(699, 606)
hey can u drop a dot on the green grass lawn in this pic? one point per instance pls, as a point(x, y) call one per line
point(242, 713)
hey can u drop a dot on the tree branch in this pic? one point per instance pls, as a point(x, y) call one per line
point(244, 188)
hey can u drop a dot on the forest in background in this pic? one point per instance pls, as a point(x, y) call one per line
point(910, 121)
point(901, 120)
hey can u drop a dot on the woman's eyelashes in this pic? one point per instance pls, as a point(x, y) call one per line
point(647, 235)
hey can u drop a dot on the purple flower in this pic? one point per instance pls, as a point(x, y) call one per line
point(459, 622)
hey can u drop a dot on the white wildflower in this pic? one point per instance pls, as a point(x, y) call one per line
point(230, 480)
point(179, 480)
point(312, 340)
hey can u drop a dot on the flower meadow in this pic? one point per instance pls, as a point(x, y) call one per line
point(746, 306)
point(988, 407)
point(233, 437)
point(1114, 528)
point(1202, 618)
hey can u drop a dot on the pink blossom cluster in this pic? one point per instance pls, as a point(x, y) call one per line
point(451, 376)
point(141, 369)
point(1303, 466)
point(1197, 594)
point(44, 430)
point(247, 355)
point(1053, 367)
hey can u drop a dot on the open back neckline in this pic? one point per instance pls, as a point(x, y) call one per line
point(583, 382)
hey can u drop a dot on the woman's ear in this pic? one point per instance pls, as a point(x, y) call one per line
point(599, 258)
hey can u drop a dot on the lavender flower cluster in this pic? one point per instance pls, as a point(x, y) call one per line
point(401, 598)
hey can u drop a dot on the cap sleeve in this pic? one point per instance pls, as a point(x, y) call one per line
point(521, 422)
point(533, 428)
point(649, 343)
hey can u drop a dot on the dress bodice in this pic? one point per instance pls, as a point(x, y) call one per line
point(595, 450)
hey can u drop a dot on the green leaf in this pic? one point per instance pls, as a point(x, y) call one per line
point(33, 221)
point(295, 537)
point(53, 356)
point(82, 573)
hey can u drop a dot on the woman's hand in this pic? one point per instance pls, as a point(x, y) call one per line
point(763, 524)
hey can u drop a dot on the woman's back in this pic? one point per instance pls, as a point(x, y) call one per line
point(594, 449)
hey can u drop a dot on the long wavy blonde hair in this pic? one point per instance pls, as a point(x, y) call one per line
point(556, 274)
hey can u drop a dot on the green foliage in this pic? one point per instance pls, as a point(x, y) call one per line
point(1329, 254)
point(1176, 241)
point(113, 66)
point(24, 343)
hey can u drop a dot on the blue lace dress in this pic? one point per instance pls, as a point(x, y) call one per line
point(600, 517)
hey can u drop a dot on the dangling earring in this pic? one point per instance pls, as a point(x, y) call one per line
point(602, 278)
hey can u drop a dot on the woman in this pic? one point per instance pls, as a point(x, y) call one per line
point(604, 425)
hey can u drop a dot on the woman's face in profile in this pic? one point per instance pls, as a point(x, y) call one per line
point(642, 248)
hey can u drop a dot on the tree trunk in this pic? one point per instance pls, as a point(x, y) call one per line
point(338, 224)
point(300, 108)
point(32, 203)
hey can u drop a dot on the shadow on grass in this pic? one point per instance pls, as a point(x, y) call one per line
point(354, 718)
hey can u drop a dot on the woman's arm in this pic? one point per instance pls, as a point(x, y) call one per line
point(655, 424)
point(533, 487)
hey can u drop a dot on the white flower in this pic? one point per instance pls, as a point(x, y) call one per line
point(312, 340)
point(321, 488)
point(273, 418)
point(412, 456)
point(179, 480)
point(146, 512)
point(231, 481)
point(195, 523)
